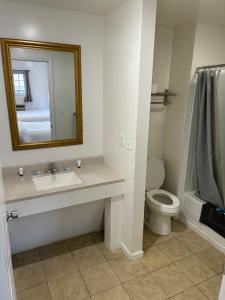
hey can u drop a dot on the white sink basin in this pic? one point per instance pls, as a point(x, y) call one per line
point(51, 181)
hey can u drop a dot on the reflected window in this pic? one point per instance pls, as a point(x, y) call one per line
point(19, 83)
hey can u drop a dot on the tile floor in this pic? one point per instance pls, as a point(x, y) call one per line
point(181, 266)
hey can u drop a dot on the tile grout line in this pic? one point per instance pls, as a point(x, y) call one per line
point(108, 262)
point(208, 279)
point(105, 262)
point(202, 292)
point(148, 272)
point(84, 283)
point(46, 280)
point(186, 291)
point(121, 283)
point(160, 285)
point(178, 259)
point(131, 278)
point(80, 274)
point(78, 271)
point(190, 278)
point(74, 258)
point(171, 264)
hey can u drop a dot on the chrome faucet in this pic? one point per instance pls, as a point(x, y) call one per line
point(52, 168)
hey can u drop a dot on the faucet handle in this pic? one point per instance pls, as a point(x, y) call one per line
point(20, 171)
point(79, 163)
point(52, 168)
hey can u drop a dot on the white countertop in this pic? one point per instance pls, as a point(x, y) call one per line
point(93, 172)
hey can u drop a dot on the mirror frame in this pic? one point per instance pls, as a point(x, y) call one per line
point(6, 44)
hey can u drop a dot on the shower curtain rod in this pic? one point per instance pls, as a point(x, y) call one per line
point(210, 67)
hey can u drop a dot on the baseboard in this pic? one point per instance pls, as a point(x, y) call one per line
point(205, 232)
point(130, 255)
point(191, 210)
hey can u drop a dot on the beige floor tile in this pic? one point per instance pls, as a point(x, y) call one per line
point(154, 259)
point(98, 236)
point(54, 249)
point(213, 258)
point(211, 287)
point(25, 258)
point(126, 269)
point(116, 293)
point(195, 269)
point(193, 242)
point(29, 276)
point(155, 239)
point(147, 242)
point(88, 257)
point(191, 294)
point(99, 278)
point(81, 241)
point(69, 287)
point(174, 250)
point(144, 288)
point(179, 228)
point(109, 254)
point(38, 293)
point(59, 266)
point(171, 280)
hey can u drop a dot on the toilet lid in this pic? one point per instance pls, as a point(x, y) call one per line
point(155, 173)
point(163, 198)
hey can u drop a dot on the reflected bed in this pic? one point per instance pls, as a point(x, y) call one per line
point(31, 132)
point(33, 115)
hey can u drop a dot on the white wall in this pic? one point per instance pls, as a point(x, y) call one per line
point(180, 74)
point(128, 60)
point(209, 48)
point(162, 56)
point(52, 25)
point(128, 54)
point(160, 76)
point(25, 21)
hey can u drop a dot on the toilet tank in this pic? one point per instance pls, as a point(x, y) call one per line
point(155, 173)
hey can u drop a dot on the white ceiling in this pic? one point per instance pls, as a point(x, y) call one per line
point(170, 13)
point(175, 13)
point(97, 7)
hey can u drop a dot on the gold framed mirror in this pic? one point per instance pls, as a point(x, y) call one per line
point(44, 96)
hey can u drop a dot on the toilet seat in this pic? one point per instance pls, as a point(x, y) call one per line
point(160, 207)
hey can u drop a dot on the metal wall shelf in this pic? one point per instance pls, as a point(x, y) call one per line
point(164, 95)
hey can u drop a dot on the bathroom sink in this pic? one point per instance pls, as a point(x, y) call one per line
point(51, 181)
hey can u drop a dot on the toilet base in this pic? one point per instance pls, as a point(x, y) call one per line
point(159, 224)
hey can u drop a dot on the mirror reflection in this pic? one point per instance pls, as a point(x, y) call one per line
point(44, 93)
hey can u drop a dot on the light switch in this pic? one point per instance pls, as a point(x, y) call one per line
point(128, 143)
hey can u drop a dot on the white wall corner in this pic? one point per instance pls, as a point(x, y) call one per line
point(131, 255)
point(143, 115)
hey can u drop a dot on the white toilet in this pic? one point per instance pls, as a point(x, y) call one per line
point(161, 205)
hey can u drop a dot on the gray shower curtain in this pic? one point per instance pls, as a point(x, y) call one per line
point(208, 151)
